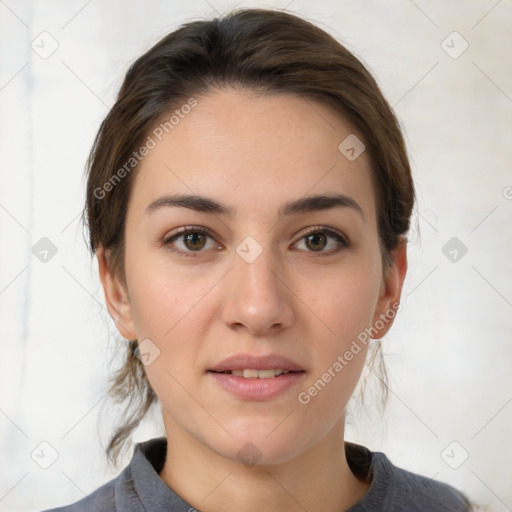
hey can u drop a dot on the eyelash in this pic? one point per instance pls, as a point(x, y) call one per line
point(341, 240)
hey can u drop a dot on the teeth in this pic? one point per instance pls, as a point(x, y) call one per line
point(259, 374)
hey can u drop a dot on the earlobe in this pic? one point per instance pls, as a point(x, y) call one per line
point(391, 291)
point(116, 297)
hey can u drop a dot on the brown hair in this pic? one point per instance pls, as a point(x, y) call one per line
point(261, 50)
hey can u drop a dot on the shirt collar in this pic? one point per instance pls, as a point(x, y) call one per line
point(140, 487)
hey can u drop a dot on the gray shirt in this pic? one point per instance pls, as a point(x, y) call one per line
point(139, 488)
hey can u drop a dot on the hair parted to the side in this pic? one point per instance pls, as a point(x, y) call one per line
point(266, 51)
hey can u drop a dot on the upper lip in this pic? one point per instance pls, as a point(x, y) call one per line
point(248, 361)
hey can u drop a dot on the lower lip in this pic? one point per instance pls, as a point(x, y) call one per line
point(255, 388)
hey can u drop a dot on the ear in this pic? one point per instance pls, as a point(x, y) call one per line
point(390, 291)
point(116, 297)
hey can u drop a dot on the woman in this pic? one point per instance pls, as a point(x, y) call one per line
point(248, 199)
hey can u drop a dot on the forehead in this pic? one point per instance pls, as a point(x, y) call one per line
point(252, 152)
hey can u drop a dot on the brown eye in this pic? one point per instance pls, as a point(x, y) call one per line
point(194, 241)
point(323, 241)
point(316, 241)
point(190, 241)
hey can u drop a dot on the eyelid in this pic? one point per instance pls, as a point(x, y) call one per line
point(186, 229)
point(324, 229)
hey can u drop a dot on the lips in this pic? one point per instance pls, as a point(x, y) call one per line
point(241, 362)
point(257, 377)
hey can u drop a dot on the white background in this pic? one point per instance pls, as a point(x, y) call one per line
point(449, 354)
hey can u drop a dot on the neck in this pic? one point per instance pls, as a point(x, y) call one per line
point(317, 479)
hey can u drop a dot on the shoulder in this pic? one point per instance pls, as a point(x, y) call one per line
point(396, 489)
point(137, 488)
point(101, 499)
point(416, 492)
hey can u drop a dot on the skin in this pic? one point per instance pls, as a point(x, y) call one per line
point(254, 153)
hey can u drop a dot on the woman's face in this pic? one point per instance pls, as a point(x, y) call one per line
point(280, 270)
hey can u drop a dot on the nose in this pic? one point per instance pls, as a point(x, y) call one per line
point(258, 297)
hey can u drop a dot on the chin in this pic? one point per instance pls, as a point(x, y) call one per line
point(261, 453)
point(257, 443)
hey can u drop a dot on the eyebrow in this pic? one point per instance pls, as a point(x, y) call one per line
point(303, 205)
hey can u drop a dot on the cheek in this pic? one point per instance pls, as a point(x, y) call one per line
point(173, 307)
point(344, 305)
point(344, 301)
point(165, 298)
